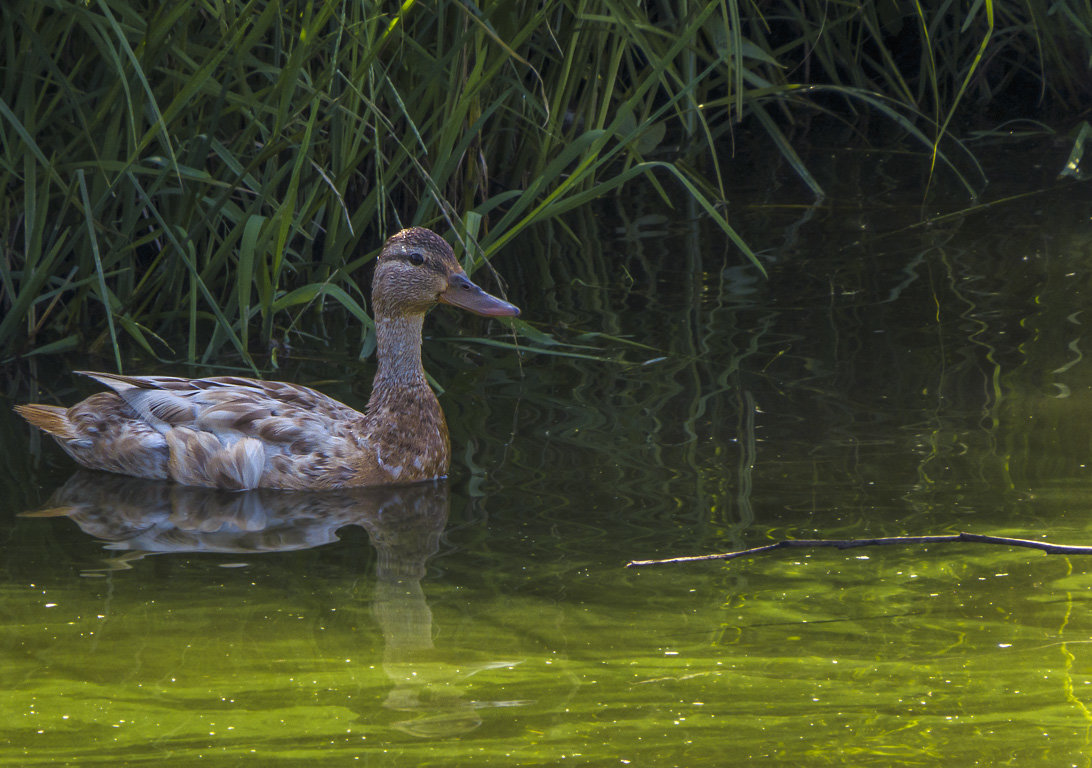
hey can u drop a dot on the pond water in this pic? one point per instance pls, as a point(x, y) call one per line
point(889, 377)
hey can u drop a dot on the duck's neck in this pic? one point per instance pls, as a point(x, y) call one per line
point(404, 425)
point(398, 349)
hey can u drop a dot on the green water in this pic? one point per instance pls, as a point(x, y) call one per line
point(886, 379)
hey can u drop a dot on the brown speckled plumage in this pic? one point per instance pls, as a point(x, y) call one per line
point(236, 433)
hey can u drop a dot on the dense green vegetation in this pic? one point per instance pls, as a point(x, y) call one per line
point(209, 170)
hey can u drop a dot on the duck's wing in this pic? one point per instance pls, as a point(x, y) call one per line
point(233, 432)
point(232, 407)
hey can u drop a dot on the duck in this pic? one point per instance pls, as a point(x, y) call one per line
point(236, 433)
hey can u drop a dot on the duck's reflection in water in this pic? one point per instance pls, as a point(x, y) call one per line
point(142, 517)
point(153, 516)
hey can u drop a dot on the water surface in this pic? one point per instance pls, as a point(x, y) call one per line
point(889, 377)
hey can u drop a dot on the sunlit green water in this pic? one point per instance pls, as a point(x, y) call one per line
point(886, 379)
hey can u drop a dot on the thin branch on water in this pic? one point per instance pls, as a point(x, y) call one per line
point(976, 538)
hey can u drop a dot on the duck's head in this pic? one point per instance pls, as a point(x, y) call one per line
point(417, 269)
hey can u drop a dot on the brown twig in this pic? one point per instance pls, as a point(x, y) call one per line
point(977, 538)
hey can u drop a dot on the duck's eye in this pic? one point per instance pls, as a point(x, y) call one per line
point(416, 259)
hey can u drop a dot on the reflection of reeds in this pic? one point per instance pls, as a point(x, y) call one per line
point(663, 423)
point(209, 173)
point(848, 392)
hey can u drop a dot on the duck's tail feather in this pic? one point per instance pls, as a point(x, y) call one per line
point(49, 418)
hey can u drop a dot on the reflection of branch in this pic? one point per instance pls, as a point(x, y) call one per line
point(978, 538)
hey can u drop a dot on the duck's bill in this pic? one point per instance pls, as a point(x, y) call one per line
point(462, 292)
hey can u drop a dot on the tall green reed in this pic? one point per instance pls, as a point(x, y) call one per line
point(192, 179)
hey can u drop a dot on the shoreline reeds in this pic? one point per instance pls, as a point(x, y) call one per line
point(188, 180)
